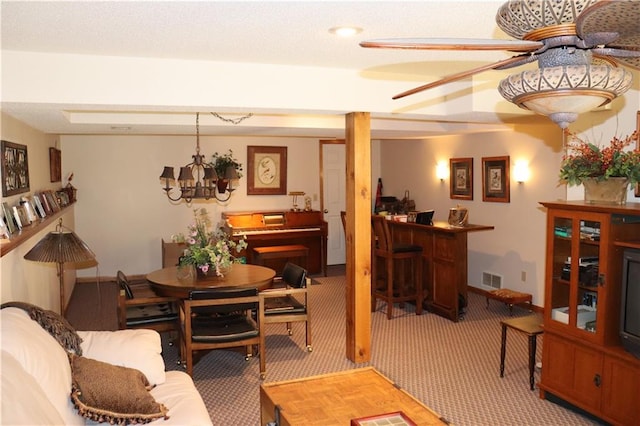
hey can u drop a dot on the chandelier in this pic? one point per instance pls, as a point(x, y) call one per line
point(199, 179)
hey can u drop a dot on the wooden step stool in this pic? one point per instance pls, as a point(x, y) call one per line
point(509, 297)
point(289, 253)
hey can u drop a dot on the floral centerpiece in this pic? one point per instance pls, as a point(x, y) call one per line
point(585, 160)
point(208, 250)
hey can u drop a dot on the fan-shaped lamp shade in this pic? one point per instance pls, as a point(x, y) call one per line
point(60, 247)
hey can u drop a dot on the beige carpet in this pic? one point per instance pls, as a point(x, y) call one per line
point(451, 367)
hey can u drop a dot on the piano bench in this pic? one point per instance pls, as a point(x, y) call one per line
point(289, 252)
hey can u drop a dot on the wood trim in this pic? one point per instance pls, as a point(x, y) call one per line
point(29, 231)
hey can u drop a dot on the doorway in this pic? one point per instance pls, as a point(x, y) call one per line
point(333, 196)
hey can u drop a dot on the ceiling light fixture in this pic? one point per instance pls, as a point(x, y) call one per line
point(563, 92)
point(568, 82)
point(345, 31)
point(206, 184)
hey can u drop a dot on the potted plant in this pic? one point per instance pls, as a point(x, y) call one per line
point(226, 167)
point(210, 251)
point(602, 170)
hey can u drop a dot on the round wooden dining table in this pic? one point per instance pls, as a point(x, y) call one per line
point(176, 282)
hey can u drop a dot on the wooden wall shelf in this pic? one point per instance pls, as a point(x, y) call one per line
point(29, 231)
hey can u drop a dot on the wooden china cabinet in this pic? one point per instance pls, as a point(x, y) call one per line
point(583, 362)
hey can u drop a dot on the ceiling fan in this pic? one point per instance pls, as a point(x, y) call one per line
point(578, 45)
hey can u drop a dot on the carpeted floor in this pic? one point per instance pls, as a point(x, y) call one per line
point(451, 367)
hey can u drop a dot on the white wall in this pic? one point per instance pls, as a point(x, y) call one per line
point(122, 212)
point(22, 279)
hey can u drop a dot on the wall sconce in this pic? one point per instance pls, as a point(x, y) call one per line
point(521, 171)
point(442, 171)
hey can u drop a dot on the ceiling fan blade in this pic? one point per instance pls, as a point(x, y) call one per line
point(452, 44)
point(630, 62)
point(459, 76)
point(621, 17)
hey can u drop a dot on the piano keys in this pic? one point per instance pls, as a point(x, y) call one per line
point(276, 228)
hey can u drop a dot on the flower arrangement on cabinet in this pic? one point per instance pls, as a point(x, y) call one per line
point(585, 160)
point(208, 249)
point(221, 163)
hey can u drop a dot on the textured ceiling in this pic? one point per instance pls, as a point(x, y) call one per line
point(284, 33)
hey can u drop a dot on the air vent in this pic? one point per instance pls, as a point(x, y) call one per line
point(491, 281)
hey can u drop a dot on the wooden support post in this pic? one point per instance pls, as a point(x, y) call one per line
point(358, 236)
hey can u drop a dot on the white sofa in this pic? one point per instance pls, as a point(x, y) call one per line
point(37, 380)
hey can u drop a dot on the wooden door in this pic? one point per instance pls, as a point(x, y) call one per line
point(333, 184)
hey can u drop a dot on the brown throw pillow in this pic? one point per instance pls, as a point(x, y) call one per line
point(109, 393)
point(53, 323)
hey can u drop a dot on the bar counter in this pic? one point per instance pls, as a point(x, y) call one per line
point(444, 261)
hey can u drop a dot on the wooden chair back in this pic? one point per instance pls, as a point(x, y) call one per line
point(218, 318)
point(140, 307)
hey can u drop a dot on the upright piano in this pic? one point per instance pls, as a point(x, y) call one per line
point(276, 228)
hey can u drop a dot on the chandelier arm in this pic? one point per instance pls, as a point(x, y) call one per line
point(169, 195)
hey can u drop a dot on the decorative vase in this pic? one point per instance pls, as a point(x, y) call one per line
point(608, 191)
point(222, 185)
point(211, 272)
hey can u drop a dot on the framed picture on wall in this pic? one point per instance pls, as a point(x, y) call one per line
point(267, 171)
point(15, 169)
point(461, 178)
point(495, 179)
point(55, 165)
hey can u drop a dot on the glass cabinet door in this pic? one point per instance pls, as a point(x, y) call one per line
point(588, 278)
point(561, 279)
point(576, 254)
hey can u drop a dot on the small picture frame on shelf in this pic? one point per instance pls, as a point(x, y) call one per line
point(267, 170)
point(495, 179)
point(461, 178)
point(38, 206)
point(4, 231)
point(8, 217)
point(45, 203)
point(18, 217)
point(52, 201)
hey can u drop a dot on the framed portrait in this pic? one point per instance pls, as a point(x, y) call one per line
point(267, 171)
point(15, 169)
point(495, 179)
point(55, 164)
point(461, 178)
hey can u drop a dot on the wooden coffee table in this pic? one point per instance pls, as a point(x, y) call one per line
point(339, 398)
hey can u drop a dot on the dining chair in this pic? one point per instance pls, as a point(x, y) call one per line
point(220, 318)
point(287, 302)
point(389, 283)
point(140, 307)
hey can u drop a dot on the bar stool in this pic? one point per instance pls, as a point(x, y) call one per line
point(384, 286)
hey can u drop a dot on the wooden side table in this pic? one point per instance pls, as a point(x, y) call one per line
point(531, 326)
